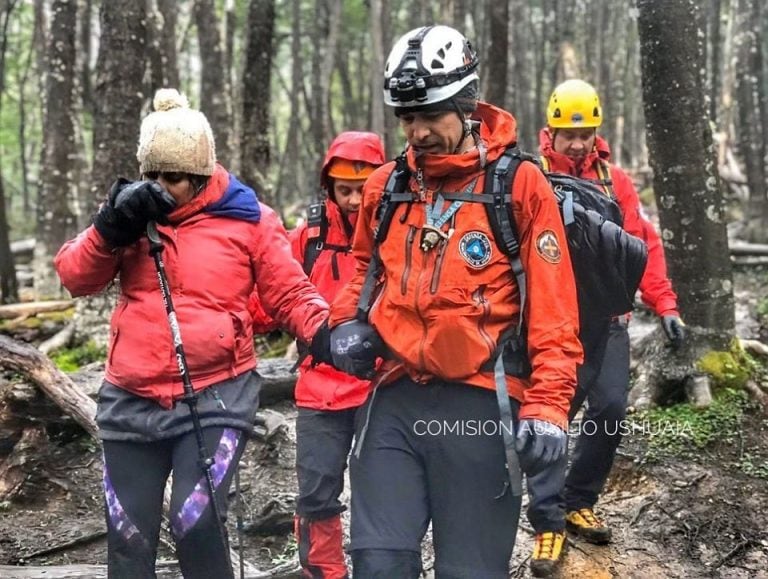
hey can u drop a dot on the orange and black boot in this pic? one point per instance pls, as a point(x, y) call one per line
point(320, 548)
point(586, 524)
point(548, 549)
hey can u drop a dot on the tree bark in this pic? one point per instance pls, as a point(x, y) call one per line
point(686, 183)
point(161, 45)
point(118, 98)
point(497, 58)
point(257, 91)
point(378, 110)
point(751, 131)
point(215, 99)
point(9, 287)
point(55, 216)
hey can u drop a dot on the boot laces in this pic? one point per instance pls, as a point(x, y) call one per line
point(590, 517)
point(546, 544)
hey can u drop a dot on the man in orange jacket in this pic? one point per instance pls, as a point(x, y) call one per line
point(570, 144)
point(429, 445)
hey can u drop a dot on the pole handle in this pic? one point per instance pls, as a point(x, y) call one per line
point(155, 243)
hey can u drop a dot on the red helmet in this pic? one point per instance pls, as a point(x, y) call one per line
point(352, 155)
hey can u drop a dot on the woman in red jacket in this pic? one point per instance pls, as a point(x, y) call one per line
point(219, 242)
point(327, 399)
point(570, 144)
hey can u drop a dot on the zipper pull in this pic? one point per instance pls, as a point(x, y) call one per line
point(219, 401)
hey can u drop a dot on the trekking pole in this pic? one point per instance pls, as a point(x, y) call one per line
point(190, 396)
point(240, 543)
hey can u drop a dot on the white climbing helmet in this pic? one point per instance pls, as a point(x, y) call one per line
point(428, 65)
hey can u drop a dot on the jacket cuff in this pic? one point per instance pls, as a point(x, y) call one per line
point(545, 412)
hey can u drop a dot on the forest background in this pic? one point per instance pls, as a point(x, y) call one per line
point(683, 87)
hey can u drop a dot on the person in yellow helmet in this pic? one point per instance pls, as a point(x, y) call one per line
point(570, 144)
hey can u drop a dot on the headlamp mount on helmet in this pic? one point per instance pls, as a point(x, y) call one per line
point(411, 80)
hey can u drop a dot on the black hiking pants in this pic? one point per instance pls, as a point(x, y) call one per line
point(432, 452)
point(551, 492)
point(135, 474)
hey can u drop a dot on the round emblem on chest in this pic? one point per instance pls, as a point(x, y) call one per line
point(475, 248)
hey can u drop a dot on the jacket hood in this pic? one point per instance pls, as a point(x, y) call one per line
point(353, 146)
point(563, 163)
point(498, 130)
point(223, 196)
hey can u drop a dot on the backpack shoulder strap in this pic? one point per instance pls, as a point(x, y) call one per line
point(317, 233)
point(604, 178)
point(499, 177)
point(391, 196)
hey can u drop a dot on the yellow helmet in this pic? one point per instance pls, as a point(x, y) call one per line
point(574, 104)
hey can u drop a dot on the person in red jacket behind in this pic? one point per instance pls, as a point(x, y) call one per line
point(570, 144)
point(218, 242)
point(326, 398)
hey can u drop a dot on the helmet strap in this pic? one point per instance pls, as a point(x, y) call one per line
point(466, 125)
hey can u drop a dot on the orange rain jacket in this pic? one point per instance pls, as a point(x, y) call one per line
point(442, 312)
point(655, 287)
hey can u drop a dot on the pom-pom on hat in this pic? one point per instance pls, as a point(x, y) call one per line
point(175, 138)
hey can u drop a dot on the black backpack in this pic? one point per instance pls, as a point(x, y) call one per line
point(317, 233)
point(608, 262)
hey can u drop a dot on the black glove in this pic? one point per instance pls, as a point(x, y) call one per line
point(539, 444)
point(674, 328)
point(354, 348)
point(130, 205)
point(320, 348)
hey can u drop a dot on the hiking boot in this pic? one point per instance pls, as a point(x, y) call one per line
point(547, 551)
point(586, 524)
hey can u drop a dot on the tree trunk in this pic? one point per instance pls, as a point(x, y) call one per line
point(116, 120)
point(497, 57)
point(257, 90)
point(161, 44)
point(686, 183)
point(376, 68)
point(9, 289)
point(751, 131)
point(215, 99)
point(289, 178)
point(55, 218)
point(85, 47)
point(327, 18)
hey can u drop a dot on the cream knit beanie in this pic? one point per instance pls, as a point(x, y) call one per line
point(175, 138)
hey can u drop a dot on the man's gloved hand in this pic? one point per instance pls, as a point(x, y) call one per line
point(320, 347)
point(539, 444)
point(674, 328)
point(355, 346)
point(130, 205)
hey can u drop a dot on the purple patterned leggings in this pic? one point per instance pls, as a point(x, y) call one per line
point(135, 474)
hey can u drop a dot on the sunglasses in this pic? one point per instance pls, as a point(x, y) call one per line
point(169, 177)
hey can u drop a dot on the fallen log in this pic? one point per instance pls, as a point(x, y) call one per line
point(15, 469)
point(59, 387)
point(28, 360)
point(27, 309)
point(278, 382)
point(744, 248)
point(60, 340)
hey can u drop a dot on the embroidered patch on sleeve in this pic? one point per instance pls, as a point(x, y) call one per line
point(548, 247)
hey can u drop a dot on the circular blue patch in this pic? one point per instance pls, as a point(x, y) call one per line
point(475, 248)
